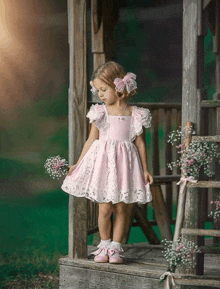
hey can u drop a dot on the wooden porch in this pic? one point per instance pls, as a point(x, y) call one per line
point(144, 263)
point(142, 268)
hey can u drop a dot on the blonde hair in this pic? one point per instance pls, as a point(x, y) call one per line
point(107, 72)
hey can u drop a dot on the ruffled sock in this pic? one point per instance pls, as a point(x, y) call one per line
point(116, 245)
point(104, 243)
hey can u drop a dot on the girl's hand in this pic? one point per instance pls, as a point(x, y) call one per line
point(148, 178)
point(71, 169)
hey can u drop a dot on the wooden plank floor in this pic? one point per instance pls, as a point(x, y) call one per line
point(143, 265)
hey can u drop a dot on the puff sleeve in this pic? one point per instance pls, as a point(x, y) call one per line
point(97, 114)
point(141, 117)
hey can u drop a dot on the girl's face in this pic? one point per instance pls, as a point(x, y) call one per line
point(105, 92)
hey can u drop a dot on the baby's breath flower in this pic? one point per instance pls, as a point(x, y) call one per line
point(56, 167)
point(180, 253)
point(195, 156)
point(215, 214)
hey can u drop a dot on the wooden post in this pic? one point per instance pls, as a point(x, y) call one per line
point(77, 120)
point(97, 23)
point(158, 203)
point(192, 94)
point(168, 159)
point(216, 50)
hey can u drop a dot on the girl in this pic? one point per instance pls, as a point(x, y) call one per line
point(112, 168)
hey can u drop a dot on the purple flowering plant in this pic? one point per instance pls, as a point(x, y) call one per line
point(56, 167)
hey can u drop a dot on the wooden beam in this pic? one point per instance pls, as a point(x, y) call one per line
point(216, 50)
point(210, 138)
point(97, 27)
point(210, 103)
point(77, 120)
point(200, 232)
point(160, 213)
point(204, 184)
point(145, 226)
point(161, 179)
point(97, 24)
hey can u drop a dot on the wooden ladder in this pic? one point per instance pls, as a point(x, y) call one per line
point(199, 184)
point(203, 184)
point(213, 184)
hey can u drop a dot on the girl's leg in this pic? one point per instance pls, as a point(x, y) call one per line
point(122, 216)
point(104, 220)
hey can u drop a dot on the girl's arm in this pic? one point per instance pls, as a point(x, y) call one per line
point(140, 144)
point(93, 135)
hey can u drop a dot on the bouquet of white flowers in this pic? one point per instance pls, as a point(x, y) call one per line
point(193, 157)
point(180, 253)
point(56, 167)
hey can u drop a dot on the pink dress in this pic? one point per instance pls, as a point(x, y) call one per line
point(111, 169)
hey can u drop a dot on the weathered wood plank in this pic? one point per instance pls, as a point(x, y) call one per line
point(145, 226)
point(211, 138)
point(216, 96)
point(191, 97)
point(210, 250)
point(210, 103)
point(97, 27)
point(97, 34)
point(77, 121)
point(75, 278)
point(166, 179)
point(198, 282)
point(204, 184)
point(160, 213)
point(200, 232)
point(155, 142)
point(168, 159)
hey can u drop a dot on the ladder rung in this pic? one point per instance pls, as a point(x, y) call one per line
point(210, 250)
point(210, 103)
point(200, 232)
point(204, 184)
point(211, 138)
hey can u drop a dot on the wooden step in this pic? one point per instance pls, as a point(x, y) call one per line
point(204, 184)
point(144, 264)
point(210, 103)
point(210, 138)
point(200, 232)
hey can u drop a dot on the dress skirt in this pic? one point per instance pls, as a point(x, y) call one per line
point(110, 171)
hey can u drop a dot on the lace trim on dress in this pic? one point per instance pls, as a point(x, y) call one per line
point(141, 117)
point(137, 196)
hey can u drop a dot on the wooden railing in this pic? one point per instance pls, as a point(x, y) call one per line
point(165, 117)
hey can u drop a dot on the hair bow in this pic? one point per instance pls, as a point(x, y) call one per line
point(128, 81)
point(93, 90)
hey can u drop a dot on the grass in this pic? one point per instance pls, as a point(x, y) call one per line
point(34, 233)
